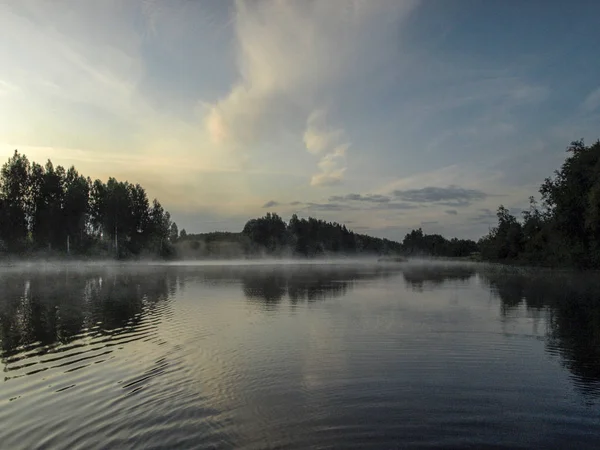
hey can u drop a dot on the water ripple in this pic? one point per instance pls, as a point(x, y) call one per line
point(283, 357)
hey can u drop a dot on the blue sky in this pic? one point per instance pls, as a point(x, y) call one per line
point(386, 115)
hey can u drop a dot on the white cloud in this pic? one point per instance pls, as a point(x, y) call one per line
point(318, 137)
point(292, 58)
point(331, 168)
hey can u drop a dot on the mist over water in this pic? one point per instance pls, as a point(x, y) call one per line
point(293, 354)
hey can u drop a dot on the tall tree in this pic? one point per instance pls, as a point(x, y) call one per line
point(14, 195)
point(173, 232)
point(76, 206)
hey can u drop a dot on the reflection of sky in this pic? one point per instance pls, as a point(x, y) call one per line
point(381, 353)
point(214, 106)
point(379, 360)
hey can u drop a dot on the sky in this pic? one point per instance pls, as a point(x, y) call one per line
point(385, 115)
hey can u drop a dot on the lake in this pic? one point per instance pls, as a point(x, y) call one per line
point(353, 355)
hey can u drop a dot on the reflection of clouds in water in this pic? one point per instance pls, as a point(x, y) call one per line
point(254, 356)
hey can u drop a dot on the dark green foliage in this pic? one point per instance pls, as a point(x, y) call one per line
point(566, 232)
point(504, 242)
point(416, 243)
point(64, 212)
point(14, 202)
point(268, 233)
point(311, 237)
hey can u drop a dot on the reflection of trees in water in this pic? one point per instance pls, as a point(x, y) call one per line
point(305, 284)
point(573, 305)
point(45, 309)
point(419, 277)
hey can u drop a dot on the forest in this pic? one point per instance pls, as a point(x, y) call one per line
point(50, 211)
point(272, 236)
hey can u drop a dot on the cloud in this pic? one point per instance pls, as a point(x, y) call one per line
point(451, 212)
point(352, 202)
point(451, 196)
point(429, 222)
point(331, 168)
point(327, 206)
point(318, 137)
point(396, 206)
point(295, 61)
point(486, 217)
point(270, 204)
point(592, 101)
point(372, 198)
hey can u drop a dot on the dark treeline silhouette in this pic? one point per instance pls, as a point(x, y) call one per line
point(571, 306)
point(416, 243)
point(272, 236)
point(216, 244)
point(311, 237)
point(58, 211)
point(565, 229)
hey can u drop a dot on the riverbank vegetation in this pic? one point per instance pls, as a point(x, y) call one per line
point(272, 236)
point(50, 211)
point(564, 230)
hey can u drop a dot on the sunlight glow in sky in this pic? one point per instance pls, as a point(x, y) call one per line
point(385, 115)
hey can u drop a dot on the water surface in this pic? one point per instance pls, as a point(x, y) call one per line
point(293, 356)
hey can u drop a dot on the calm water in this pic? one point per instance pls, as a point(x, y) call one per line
point(298, 356)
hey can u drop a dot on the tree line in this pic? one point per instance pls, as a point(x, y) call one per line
point(564, 230)
point(416, 243)
point(56, 211)
point(47, 208)
point(311, 237)
point(272, 236)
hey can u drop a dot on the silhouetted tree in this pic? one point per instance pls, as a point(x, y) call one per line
point(48, 207)
point(173, 232)
point(566, 230)
point(14, 201)
point(419, 244)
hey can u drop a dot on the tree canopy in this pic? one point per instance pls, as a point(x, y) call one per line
point(53, 209)
point(565, 229)
point(311, 237)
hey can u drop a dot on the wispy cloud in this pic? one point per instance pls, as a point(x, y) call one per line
point(331, 168)
point(371, 198)
point(451, 195)
point(351, 202)
point(271, 204)
point(485, 216)
point(592, 101)
point(292, 58)
point(320, 138)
